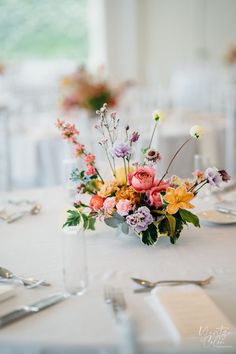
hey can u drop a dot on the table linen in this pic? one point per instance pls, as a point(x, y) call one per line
point(33, 246)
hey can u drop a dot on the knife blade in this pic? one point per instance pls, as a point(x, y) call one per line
point(31, 309)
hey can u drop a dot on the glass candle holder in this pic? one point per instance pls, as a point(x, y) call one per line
point(75, 270)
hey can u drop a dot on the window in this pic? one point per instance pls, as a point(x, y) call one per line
point(45, 29)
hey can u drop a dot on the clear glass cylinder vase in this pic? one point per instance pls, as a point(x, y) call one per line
point(75, 269)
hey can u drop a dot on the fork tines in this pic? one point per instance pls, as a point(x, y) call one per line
point(115, 297)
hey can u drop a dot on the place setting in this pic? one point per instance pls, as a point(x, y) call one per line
point(13, 210)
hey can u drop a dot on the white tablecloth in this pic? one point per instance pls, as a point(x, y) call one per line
point(32, 246)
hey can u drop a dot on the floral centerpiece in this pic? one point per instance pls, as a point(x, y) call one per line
point(135, 198)
point(87, 91)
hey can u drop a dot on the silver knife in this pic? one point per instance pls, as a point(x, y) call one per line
point(31, 309)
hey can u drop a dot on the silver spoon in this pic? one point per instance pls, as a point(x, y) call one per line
point(7, 274)
point(150, 285)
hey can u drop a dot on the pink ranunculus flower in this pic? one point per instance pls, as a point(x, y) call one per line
point(123, 207)
point(109, 205)
point(90, 170)
point(90, 158)
point(142, 179)
point(154, 194)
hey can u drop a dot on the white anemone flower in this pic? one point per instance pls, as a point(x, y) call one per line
point(197, 131)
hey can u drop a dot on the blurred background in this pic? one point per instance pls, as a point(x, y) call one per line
point(63, 59)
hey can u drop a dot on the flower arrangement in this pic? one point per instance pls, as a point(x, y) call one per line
point(86, 91)
point(135, 198)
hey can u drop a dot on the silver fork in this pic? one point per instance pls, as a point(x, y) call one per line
point(116, 298)
point(127, 328)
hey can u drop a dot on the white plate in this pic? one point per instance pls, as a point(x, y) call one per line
point(215, 217)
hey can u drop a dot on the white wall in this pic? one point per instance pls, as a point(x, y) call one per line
point(149, 39)
point(178, 32)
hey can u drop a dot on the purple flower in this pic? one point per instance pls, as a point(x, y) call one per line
point(134, 137)
point(140, 219)
point(121, 150)
point(213, 176)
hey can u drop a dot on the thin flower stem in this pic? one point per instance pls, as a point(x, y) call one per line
point(128, 166)
point(125, 171)
point(108, 130)
point(99, 174)
point(196, 184)
point(153, 132)
point(171, 161)
point(197, 190)
point(114, 166)
point(109, 161)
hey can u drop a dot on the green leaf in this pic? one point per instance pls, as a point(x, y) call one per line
point(172, 224)
point(85, 221)
point(114, 221)
point(160, 212)
point(144, 150)
point(179, 227)
point(189, 217)
point(163, 226)
point(73, 218)
point(91, 225)
point(125, 228)
point(149, 236)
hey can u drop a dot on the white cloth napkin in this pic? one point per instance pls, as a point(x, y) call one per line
point(187, 311)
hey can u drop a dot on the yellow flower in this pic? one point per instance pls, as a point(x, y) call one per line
point(108, 188)
point(120, 174)
point(128, 193)
point(97, 183)
point(178, 198)
point(176, 181)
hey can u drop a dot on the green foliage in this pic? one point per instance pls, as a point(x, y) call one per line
point(172, 224)
point(144, 150)
point(149, 236)
point(96, 102)
point(179, 227)
point(125, 228)
point(163, 226)
point(114, 221)
point(189, 217)
point(75, 217)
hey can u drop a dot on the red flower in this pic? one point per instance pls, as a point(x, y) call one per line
point(90, 170)
point(96, 203)
point(154, 194)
